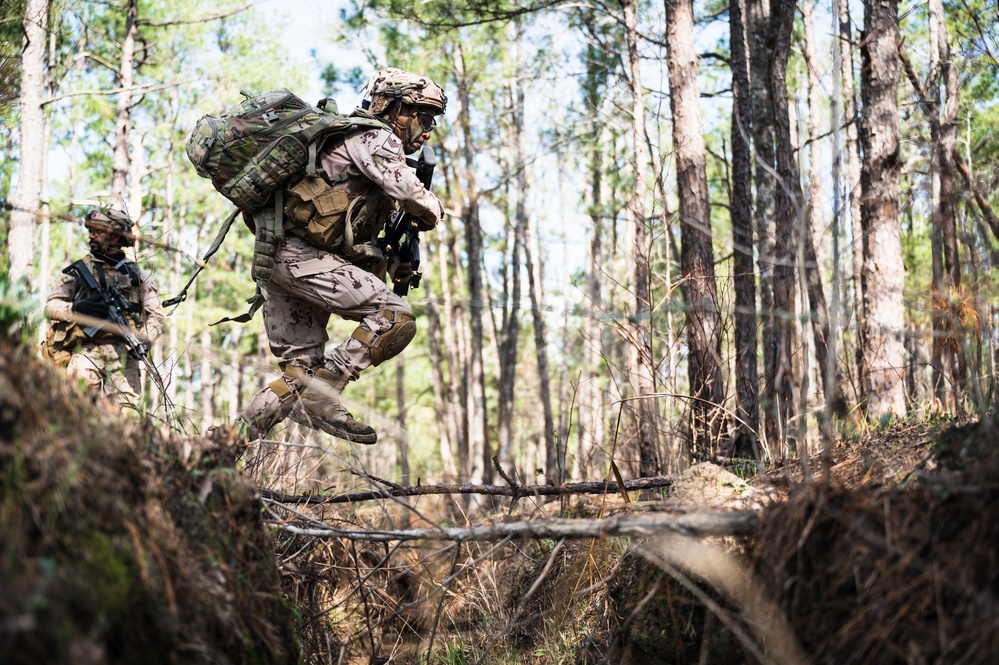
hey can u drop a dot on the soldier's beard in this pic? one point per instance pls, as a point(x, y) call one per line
point(106, 251)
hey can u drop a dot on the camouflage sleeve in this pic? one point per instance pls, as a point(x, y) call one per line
point(150, 298)
point(378, 155)
point(59, 305)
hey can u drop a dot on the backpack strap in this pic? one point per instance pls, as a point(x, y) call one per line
point(269, 225)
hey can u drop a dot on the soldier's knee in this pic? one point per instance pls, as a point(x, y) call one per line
point(388, 344)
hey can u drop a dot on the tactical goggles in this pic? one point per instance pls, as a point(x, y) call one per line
point(427, 120)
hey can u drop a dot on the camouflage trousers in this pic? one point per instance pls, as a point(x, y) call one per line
point(307, 286)
point(109, 370)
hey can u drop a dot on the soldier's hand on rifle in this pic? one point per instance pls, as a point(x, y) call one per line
point(94, 308)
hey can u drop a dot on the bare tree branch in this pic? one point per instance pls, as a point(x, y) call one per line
point(202, 19)
point(696, 525)
point(114, 91)
point(518, 491)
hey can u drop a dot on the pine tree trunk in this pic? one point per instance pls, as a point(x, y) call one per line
point(590, 426)
point(761, 44)
point(788, 220)
point(746, 371)
point(31, 127)
point(944, 208)
point(479, 451)
point(816, 231)
point(402, 441)
point(640, 351)
point(552, 462)
point(696, 254)
point(123, 107)
point(851, 125)
point(510, 334)
point(441, 386)
point(883, 274)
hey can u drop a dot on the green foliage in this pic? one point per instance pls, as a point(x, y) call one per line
point(19, 318)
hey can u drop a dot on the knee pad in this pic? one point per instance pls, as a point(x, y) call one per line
point(390, 343)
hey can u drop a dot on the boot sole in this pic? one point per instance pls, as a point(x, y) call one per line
point(334, 429)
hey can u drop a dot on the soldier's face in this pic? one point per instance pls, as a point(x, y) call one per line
point(103, 242)
point(417, 123)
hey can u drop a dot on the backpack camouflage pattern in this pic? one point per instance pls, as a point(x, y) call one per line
point(267, 141)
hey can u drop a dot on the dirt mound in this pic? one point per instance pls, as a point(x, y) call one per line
point(114, 548)
point(898, 574)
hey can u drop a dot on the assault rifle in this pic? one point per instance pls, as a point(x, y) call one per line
point(401, 241)
point(117, 305)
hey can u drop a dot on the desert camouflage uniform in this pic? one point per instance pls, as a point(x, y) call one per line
point(102, 362)
point(310, 282)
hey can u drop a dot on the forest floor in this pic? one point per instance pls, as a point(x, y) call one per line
point(122, 542)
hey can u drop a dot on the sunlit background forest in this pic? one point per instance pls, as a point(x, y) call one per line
point(673, 234)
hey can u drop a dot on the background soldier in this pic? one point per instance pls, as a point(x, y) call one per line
point(329, 262)
point(82, 336)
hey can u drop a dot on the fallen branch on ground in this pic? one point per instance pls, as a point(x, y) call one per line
point(517, 491)
point(696, 525)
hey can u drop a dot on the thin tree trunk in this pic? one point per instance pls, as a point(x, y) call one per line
point(402, 457)
point(696, 254)
point(554, 467)
point(207, 381)
point(31, 127)
point(883, 273)
point(479, 453)
point(946, 216)
point(761, 44)
point(788, 218)
point(746, 371)
point(640, 351)
point(123, 107)
point(45, 249)
point(510, 334)
point(441, 387)
point(851, 124)
point(816, 294)
point(235, 374)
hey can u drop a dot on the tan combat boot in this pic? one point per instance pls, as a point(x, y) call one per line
point(266, 409)
point(320, 407)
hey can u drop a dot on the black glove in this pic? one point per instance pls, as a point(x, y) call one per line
point(95, 308)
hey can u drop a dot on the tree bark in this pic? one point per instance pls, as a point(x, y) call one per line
point(696, 253)
point(761, 44)
point(696, 525)
point(852, 145)
point(883, 276)
point(31, 126)
point(788, 218)
point(816, 230)
point(477, 467)
point(640, 349)
point(123, 108)
point(402, 441)
point(442, 387)
point(554, 464)
point(746, 372)
point(947, 340)
point(510, 333)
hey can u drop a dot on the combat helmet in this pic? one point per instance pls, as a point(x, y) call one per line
point(392, 84)
point(111, 221)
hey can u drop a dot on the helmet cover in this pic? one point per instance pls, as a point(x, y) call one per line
point(392, 84)
point(111, 221)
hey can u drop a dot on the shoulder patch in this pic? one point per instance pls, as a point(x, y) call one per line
point(387, 145)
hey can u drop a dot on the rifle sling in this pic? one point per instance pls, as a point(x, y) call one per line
point(226, 225)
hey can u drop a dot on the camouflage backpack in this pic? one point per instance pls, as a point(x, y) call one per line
point(267, 141)
point(251, 153)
